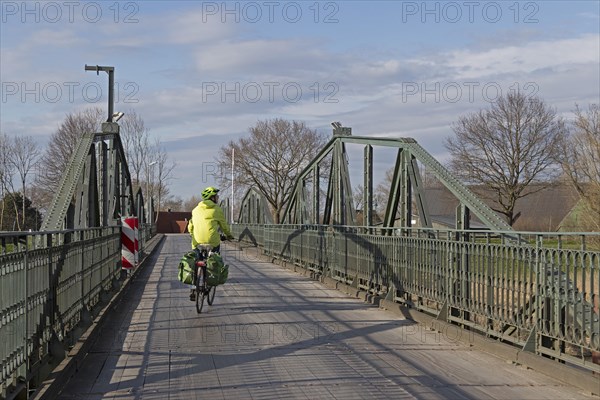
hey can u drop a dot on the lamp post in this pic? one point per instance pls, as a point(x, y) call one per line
point(148, 216)
point(232, 195)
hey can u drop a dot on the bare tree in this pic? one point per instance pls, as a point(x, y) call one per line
point(136, 144)
point(173, 203)
point(60, 149)
point(429, 179)
point(6, 173)
point(381, 194)
point(581, 161)
point(357, 197)
point(271, 158)
point(148, 162)
point(164, 171)
point(24, 156)
point(189, 204)
point(18, 155)
point(507, 148)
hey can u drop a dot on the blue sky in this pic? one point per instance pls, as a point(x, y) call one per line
point(201, 73)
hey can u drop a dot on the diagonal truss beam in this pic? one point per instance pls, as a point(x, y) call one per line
point(96, 188)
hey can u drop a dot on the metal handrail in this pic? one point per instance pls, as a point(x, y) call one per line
point(539, 292)
point(50, 285)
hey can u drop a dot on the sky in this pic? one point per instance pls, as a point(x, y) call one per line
point(201, 73)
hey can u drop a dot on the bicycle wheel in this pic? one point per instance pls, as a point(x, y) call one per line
point(200, 293)
point(211, 295)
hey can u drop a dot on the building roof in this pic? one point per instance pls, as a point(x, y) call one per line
point(540, 211)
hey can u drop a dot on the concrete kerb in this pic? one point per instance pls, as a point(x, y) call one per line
point(586, 381)
point(51, 387)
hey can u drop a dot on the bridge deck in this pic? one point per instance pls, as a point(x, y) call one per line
point(272, 333)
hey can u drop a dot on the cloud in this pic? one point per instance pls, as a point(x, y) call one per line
point(173, 54)
point(589, 15)
point(63, 38)
point(247, 57)
point(371, 94)
point(193, 28)
point(526, 58)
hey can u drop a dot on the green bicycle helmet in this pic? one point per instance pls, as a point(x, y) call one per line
point(209, 192)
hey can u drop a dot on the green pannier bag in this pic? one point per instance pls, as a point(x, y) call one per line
point(186, 268)
point(217, 270)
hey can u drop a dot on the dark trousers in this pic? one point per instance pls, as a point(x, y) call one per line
point(214, 250)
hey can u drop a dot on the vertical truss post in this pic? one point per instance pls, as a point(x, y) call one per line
point(347, 203)
point(114, 192)
point(463, 217)
point(463, 221)
point(127, 187)
point(93, 217)
point(248, 206)
point(368, 186)
point(301, 209)
point(103, 184)
point(255, 210)
point(316, 194)
point(125, 199)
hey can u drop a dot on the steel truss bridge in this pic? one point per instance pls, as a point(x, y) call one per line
point(536, 291)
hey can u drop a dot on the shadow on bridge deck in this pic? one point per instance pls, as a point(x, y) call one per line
point(272, 333)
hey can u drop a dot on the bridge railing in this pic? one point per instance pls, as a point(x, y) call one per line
point(538, 291)
point(51, 284)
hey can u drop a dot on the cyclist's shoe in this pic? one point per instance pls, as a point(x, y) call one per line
point(193, 295)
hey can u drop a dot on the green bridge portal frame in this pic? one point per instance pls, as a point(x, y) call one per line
point(96, 188)
point(52, 282)
point(406, 181)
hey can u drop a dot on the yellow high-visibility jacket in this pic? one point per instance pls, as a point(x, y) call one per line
point(207, 218)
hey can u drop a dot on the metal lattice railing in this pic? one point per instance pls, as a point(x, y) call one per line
point(538, 291)
point(50, 283)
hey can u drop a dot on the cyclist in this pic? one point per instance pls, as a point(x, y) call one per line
point(207, 219)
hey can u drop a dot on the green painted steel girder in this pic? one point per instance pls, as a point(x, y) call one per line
point(254, 208)
point(368, 186)
point(96, 188)
point(407, 181)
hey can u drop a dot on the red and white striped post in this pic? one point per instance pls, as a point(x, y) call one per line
point(129, 242)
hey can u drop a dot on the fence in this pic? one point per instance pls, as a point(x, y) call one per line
point(538, 291)
point(51, 284)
